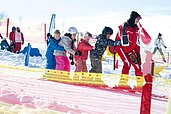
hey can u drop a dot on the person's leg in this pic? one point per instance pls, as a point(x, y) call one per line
point(49, 62)
point(53, 62)
point(125, 69)
point(125, 59)
point(19, 47)
point(96, 65)
point(79, 65)
point(155, 49)
point(67, 64)
point(60, 62)
point(15, 48)
point(162, 54)
point(84, 66)
point(99, 66)
point(92, 63)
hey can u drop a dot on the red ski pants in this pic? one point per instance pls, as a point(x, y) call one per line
point(127, 63)
point(17, 47)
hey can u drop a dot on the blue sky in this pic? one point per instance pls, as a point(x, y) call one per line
point(42, 9)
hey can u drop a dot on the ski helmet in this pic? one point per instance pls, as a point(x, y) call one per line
point(72, 30)
point(107, 30)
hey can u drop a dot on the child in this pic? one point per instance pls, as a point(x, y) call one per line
point(84, 47)
point(62, 61)
point(53, 45)
point(103, 40)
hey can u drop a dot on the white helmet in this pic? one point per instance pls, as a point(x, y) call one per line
point(72, 30)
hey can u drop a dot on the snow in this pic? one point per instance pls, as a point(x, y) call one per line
point(29, 93)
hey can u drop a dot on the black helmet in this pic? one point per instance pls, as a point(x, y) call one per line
point(107, 30)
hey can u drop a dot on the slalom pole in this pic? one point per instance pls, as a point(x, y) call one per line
point(7, 27)
point(45, 32)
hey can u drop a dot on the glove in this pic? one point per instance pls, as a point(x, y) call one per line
point(79, 53)
point(74, 40)
point(157, 48)
point(117, 43)
point(139, 59)
point(132, 57)
point(70, 57)
point(165, 47)
point(72, 62)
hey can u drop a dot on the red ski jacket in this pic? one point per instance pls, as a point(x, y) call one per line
point(129, 38)
point(84, 47)
point(12, 36)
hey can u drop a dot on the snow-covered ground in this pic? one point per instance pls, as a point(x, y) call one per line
point(17, 84)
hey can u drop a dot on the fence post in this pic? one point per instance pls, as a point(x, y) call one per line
point(147, 92)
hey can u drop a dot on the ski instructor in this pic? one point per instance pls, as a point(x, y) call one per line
point(129, 51)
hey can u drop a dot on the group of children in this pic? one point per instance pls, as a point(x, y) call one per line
point(58, 47)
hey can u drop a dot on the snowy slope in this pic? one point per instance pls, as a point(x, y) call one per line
point(72, 98)
point(45, 94)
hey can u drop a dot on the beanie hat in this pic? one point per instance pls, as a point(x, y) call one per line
point(88, 34)
point(132, 18)
point(13, 28)
point(107, 30)
point(134, 15)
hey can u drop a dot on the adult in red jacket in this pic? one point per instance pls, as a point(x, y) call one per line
point(12, 38)
point(129, 51)
point(84, 47)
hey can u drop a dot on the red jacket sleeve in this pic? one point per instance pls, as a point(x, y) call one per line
point(12, 36)
point(84, 46)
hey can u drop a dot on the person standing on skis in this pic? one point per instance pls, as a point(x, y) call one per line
point(158, 43)
point(129, 51)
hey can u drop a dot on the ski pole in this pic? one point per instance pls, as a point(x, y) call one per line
point(114, 58)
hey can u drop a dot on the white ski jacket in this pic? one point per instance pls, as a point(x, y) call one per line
point(159, 43)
